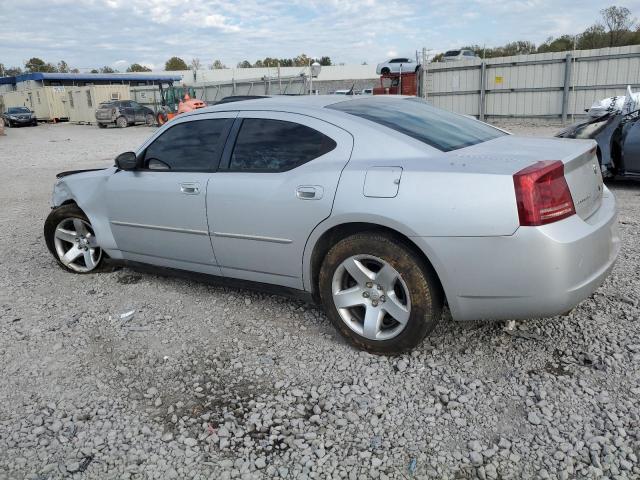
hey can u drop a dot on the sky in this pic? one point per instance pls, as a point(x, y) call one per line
point(92, 33)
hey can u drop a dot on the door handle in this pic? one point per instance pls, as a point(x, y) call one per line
point(190, 188)
point(309, 192)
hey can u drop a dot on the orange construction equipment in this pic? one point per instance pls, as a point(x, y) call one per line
point(186, 104)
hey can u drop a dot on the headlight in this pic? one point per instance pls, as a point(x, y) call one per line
point(13, 117)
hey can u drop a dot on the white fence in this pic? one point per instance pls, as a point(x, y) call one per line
point(556, 84)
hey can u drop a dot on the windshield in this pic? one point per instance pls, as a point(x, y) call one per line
point(418, 119)
point(18, 110)
point(452, 53)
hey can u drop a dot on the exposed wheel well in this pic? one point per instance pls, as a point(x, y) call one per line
point(337, 233)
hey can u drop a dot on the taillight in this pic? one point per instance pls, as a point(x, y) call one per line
point(542, 193)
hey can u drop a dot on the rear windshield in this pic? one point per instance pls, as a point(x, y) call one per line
point(418, 119)
point(452, 53)
point(107, 104)
point(18, 110)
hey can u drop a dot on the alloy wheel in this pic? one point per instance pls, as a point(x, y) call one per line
point(76, 245)
point(371, 297)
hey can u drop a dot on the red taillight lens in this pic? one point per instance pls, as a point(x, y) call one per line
point(542, 193)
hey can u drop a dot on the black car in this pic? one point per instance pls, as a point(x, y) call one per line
point(19, 116)
point(618, 139)
point(123, 113)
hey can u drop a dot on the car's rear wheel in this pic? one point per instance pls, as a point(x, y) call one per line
point(122, 122)
point(149, 119)
point(71, 240)
point(379, 293)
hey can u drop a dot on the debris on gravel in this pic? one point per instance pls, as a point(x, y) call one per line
point(216, 382)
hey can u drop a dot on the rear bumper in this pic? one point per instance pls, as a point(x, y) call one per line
point(536, 272)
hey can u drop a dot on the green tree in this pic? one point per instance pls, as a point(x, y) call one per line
point(63, 67)
point(325, 61)
point(93, 70)
point(244, 64)
point(560, 44)
point(36, 64)
point(218, 65)
point(593, 37)
point(175, 63)
point(618, 23)
point(136, 67)
point(107, 69)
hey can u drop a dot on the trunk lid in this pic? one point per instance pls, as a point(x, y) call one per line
point(510, 154)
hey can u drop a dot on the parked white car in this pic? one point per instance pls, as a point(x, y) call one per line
point(457, 55)
point(396, 65)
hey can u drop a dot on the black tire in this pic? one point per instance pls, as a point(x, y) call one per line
point(35, 123)
point(102, 125)
point(122, 122)
point(54, 218)
point(149, 120)
point(424, 290)
point(385, 71)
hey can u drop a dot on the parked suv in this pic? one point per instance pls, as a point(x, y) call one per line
point(457, 55)
point(123, 113)
point(18, 116)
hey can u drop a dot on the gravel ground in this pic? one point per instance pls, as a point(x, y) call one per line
point(209, 382)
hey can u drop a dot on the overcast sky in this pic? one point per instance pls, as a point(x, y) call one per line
point(92, 33)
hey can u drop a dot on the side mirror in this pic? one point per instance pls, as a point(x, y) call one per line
point(127, 161)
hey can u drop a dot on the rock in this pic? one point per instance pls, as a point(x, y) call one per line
point(534, 419)
point(476, 458)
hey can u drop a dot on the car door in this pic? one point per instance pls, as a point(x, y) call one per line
point(158, 212)
point(138, 112)
point(274, 186)
point(631, 147)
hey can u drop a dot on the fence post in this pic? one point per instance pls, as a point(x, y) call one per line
point(483, 87)
point(567, 85)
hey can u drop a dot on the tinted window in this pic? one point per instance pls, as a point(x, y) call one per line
point(276, 146)
point(414, 117)
point(18, 110)
point(452, 53)
point(189, 146)
point(469, 53)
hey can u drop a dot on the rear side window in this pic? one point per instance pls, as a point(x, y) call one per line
point(414, 117)
point(266, 145)
point(189, 147)
point(452, 53)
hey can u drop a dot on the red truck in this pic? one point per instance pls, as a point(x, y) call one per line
point(397, 84)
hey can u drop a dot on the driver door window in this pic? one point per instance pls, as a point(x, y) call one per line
point(189, 147)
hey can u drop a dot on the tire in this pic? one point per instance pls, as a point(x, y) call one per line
point(122, 122)
point(34, 124)
point(8, 124)
point(61, 229)
point(102, 125)
point(149, 120)
point(385, 71)
point(162, 118)
point(409, 289)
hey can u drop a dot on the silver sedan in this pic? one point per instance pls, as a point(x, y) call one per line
point(383, 209)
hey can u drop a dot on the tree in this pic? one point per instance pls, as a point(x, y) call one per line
point(560, 44)
point(107, 69)
point(136, 67)
point(175, 63)
point(93, 70)
point(243, 64)
point(74, 70)
point(618, 23)
point(63, 67)
point(301, 60)
point(195, 63)
point(593, 37)
point(325, 61)
point(218, 65)
point(36, 64)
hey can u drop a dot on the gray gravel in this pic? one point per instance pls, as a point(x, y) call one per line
point(209, 382)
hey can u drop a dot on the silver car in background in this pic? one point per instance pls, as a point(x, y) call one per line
point(397, 65)
point(382, 209)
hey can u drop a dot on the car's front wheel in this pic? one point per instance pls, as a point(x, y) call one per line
point(122, 122)
point(385, 71)
point(379, 293)
point(71, 239)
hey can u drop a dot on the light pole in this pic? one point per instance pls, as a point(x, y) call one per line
point(314, 71)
